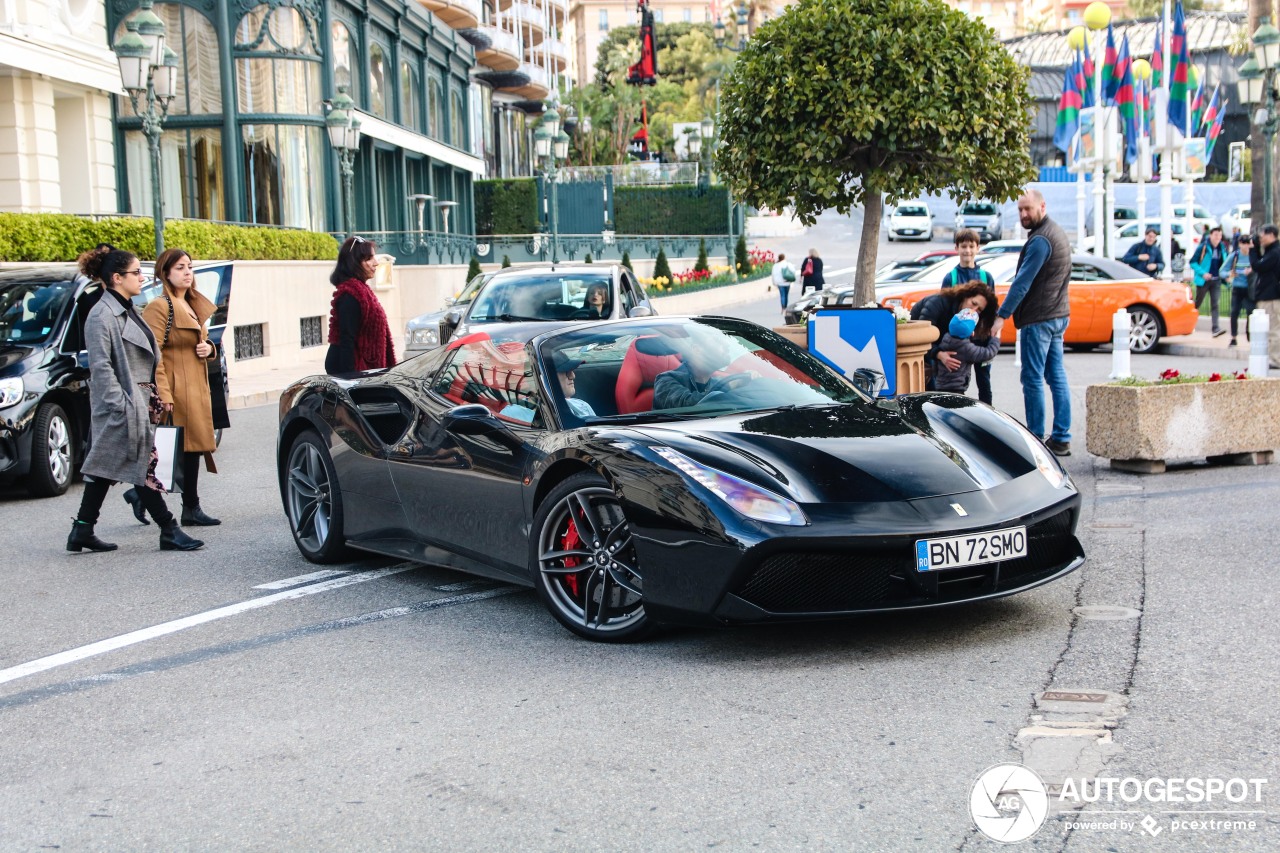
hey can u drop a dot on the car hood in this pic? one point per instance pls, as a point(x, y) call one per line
point(921, 446)
point(11, 355)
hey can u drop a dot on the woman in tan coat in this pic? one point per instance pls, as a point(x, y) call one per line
point(177, 318)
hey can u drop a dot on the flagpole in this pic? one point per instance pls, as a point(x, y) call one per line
point(1100, 140)
point(1142, 152)
point(1166, 156)
point(1189, 194)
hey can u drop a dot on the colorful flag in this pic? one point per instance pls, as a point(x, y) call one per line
point(1197, 101)
point(1125, 102)
point(1086, 68)
point(1210, 114)
point(1215, 130)
point(1157, 57)
point(1069, 107)
point(1110, 76)
point(1178, 80)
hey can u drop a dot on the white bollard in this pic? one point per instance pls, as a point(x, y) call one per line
point(1017, 348)
point(1121, 322)
point(1259, 327)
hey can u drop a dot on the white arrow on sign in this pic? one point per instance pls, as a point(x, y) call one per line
point(827, 341)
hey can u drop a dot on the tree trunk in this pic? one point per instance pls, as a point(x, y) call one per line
point(864, 279)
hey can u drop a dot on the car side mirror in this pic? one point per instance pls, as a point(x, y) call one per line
point(868, 381)
point(640, 311)
point(471, 419)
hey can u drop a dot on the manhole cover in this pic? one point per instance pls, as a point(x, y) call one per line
point(1106, 612)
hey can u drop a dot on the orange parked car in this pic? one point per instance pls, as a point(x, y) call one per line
point(1099, 287)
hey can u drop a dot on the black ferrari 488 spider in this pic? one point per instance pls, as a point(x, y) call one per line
point(692, 470)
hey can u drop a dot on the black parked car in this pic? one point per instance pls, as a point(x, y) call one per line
point(786, 492)
point(44, 370)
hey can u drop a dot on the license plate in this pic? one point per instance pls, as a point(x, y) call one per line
point(971, 549)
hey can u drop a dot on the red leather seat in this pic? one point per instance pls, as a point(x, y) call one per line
point(634, 391)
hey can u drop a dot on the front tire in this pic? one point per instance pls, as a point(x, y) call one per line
point(585, 565)
point(52, 452)
point(1144, 329)
point(313, 501)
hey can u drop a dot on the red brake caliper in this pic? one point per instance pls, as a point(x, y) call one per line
point(570, 541)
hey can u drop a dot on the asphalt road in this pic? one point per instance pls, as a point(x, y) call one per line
point(397, 707)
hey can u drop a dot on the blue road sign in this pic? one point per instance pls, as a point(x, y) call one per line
point(850, 338)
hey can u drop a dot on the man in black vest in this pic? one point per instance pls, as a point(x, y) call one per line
point(1038, 302)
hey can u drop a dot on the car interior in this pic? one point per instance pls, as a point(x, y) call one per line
point(558, 298)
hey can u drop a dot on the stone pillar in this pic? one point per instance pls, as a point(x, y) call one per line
point(30, 181)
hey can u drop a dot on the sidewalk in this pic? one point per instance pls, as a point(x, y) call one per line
point(1202, 344)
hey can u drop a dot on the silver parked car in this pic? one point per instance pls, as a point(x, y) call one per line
point(530, 293)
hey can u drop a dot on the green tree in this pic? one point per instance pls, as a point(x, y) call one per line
point(701, 265)
point(473, 269)
point(741, 260)
point(506, 262)
point(587, 259)
point(661, 269)
point(626, 260)
point(844, 103)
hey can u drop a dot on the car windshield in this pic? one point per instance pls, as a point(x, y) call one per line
point(546, 297)
point(979, 210)
point(682, 368)
point(473, 287)
point(912, 211)
point(29, 311)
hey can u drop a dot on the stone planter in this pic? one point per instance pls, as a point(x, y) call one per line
point(1140, 428)
point(914, 339)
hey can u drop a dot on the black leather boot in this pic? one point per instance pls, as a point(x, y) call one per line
point(82, 537)
point(139, 511)
point(173, 539)
point(195, 516)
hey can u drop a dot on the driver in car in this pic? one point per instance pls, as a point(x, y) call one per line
point(596, 303)
point(693, 381)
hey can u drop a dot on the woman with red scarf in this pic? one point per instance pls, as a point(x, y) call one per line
point(359, 338)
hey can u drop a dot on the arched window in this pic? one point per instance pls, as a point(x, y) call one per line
point(379, 82)
point(410, 98)
point(435, 108)
point(278, 77)
point(191, 165)
point(457, 120)
point(346, 59)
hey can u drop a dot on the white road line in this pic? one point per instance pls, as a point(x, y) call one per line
point(144, 634)
point(299, 580)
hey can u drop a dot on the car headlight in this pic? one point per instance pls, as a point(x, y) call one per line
point(1045, 461)
point(892, 302)
point(10, 392)
point(745, 498)
point(428, 337)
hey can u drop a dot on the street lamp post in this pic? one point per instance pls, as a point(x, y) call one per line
point(551, 146)
point(1257, 89)
point(149, 69)
point(1096, 17)
point(742, 14)
point(344, 137)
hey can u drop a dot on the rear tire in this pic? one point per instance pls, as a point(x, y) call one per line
point(52, 452)
point(584, 562)
point(313, 501)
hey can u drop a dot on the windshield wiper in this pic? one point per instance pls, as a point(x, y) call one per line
point(511, 318)
point(644, 417)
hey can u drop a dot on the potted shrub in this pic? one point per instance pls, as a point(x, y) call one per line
point(1140, 425)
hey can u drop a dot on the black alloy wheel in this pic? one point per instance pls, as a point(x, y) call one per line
point(313, 501)
point(52, 452)
point(1144, 329)
point(585, 565)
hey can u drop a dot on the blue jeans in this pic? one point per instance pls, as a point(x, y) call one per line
point(1042, 362)
point(784, 291)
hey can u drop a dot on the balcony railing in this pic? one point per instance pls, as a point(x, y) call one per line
point(504, 53)
point(554, 47)
point(457, 14)
point(531, 16)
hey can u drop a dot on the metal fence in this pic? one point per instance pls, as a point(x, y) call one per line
point(433, 247)
point(632, 174)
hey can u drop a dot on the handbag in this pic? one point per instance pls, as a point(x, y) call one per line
point(788, 274)
point(217, 382)
point(807, 269)
point(169, 457)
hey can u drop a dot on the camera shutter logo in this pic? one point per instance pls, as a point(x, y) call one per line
point(1008, 803)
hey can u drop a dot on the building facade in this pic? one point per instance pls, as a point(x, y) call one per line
point(56, 76)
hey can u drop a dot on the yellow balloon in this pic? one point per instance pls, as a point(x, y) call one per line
point(1141, 69)
point(1097, 15)
point(1076, 38)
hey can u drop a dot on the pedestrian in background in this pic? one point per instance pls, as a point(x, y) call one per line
point(1038, 302)
point(811, 273)
point(176, 319)
point(1240, 275)
point(123, 404)
point(1264, 258)
point(784, 272)
point(1208, 263)
point(1145, 255)
point(968, 244)
point(359, 337)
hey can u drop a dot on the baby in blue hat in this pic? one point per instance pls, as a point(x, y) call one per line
point(959, 340)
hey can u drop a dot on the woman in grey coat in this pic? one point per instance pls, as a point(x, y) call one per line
point(122, 372)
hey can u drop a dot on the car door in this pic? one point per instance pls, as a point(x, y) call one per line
point(633, 294)
point(1090, 291)
point(465, 492)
